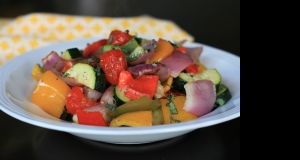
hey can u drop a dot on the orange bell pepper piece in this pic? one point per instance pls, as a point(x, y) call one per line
point(164, 49)
point(201, 67)
point(182, 115)
point(133, 119)
point(50, 94)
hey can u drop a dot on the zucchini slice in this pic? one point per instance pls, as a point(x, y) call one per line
point(223, 96)
point(109, 47)
point(119, 97)
point(130, 45)
point(71, 53)
point(66, 116)
point(87, 75)
point(209, 74)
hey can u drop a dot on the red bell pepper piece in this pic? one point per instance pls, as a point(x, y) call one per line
point(94, 47)
point(90, 118)
point(76, 100)
point(193, 68)
point(182, 49)
point(68, 65)
point(112, 63)
point(119, 37)
point(136, 88)
point(125, 78)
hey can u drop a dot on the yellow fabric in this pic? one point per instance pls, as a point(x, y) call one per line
point(28, 32)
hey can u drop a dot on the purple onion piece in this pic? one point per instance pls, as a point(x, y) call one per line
point(50, 60)
point(177, 62)
point(92, 94)
point(163, 73)
point(200, 97)
point(140, 69)
point(194, 52)
point(107, 96)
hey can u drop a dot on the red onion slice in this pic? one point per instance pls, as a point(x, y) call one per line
point(107, 96)
point(200, 97)
point(92, 94)
point(50, 60)
point(177, 62)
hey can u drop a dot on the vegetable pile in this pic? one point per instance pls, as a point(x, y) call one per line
point(128, 81)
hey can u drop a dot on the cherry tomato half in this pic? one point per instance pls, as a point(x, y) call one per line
point(77, 100)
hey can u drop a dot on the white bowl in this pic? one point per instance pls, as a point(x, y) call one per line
point(16, 86)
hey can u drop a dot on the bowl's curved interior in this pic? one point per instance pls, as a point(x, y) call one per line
point(16, 87)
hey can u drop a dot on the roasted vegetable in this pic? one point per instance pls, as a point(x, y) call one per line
point(181, 116)
point(133, 119)
point(163, 50)
point(50, 94)
point(142, 104)
point(37, 72)
point(200, 97)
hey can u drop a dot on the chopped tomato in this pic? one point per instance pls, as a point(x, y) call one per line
point(76, 100)
point(94, 47)
point(112, 63)
point(90, 118)
point(68, 65)
point(119, 37)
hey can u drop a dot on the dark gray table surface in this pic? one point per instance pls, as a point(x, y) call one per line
point(212, 22)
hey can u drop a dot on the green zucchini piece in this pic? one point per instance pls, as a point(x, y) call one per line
point(178, 85)
point(132, 50)
point(223, 96)
point(71, 53)
point(209, 74)
point(66, 116)
point(130, 45)
point(87, 75)
point(119, 97)
point(142, 41)
point(135, 54)
point(109, 47)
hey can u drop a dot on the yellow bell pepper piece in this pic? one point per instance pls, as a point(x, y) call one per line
point(167, 84)
point(164, 49)
point(50, 94)
point(201, 67)
point(182, 115)
point(37, 72)
point(133, 119)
